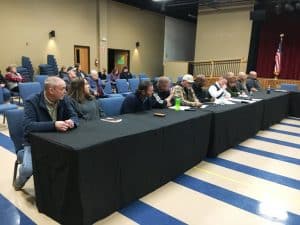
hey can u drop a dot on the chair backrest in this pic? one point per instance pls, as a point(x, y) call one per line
point(133, 84)
point(144, 79)
point(289, 87)
point(29, 88)
point(15, 126)
point(107, 89)
point(143, 75)
point(1, 96)
point(111, 106)
point(122, 85)
point(41, 79)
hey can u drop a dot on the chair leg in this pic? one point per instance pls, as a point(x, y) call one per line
point(15, 171)
point(4, 117)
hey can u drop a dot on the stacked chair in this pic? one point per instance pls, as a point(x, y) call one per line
point(26, 63)
point(53, 63)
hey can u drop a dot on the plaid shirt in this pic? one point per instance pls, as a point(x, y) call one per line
point(186, 95)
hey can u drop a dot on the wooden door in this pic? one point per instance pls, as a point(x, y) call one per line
point(82, 56)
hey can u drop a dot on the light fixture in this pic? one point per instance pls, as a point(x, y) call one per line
point(137, 44)
point(52, 34)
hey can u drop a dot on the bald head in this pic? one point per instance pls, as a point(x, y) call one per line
point(163, 83)
point(253, 74)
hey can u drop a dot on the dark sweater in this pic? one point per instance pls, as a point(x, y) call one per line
point(134, 103)
point(88, 110)
point(126, 76)
point(201, 93)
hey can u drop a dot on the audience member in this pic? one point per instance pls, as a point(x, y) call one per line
point(71, 76)
point(84, 104)
point(232, 85)
point(47, 111)
point(13, 78)
point(3, 85)
point(218, 89)
point(63, 72)
point(252, 82)
point(241, 83)
point(198, 87)
point(125, 74)
point(95, 84)
point(79, 72)
point(185, 92)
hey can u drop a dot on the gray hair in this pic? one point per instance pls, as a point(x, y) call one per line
point(52, 81)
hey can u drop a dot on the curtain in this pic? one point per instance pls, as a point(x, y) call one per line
point(268, 44)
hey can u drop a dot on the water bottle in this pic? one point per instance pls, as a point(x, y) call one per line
point(177, 104)
point(269, 89)
point(251, 95)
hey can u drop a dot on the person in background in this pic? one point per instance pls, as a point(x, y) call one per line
point(114, 76)
point(252, 82)
point(83, 103)
point(103, 74)
point(63, 72)
point(47, 111)
point(200, 92)
point(95, 85)
point(141, 100)
point(79, 72)
point(125, 74)
point(218, 89)
point(3, 85)
point(241, 83)
point(71, 76)
point(185, 92)
point(232, 85)
point(13, 78)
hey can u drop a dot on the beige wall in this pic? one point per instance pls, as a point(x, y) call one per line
point(30, 21)
point(126, 26)
point(223, 35)
point(175, 68)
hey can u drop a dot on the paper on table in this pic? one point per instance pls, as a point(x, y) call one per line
point(180, 107)
point(203, 106)
point(112, 120)
point(223, 102)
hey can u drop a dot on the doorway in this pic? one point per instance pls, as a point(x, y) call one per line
point(118, 58)
point(82, 56)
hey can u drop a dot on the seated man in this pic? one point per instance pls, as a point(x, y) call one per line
point(48, 111)
point(13, 78)
point(95, 85)
point(125, 74)
point(231, 87)
point(252, 82)
point(241, 83)
point(162, 92)
point(142, 99)
point(71, 76)
point(185, 92)
point(3, 85)
point(200, 92)
point(218, 89)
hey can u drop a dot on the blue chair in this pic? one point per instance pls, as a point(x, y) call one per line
point(4, 107)
point(15, 128)
point(143, 75)
point(41, 79)
point(122, 87)
point(29, 88)
point(111, 106)
point(179, 78)
point(133, 84)
point(289, 87)
point(108, 91)
point(144, 79)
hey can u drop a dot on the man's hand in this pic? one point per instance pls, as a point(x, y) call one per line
point(198, 104)
point(253, 89)
point(61, 126)
point(69, 123)
point(2, 85)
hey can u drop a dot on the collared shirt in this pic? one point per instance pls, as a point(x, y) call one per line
point(51, 107)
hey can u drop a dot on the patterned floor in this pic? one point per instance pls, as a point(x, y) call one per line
point(255, 183)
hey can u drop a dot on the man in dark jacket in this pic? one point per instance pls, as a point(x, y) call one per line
point(198, 87)
point(45, 112)
point(143, 99)
point(252, 82)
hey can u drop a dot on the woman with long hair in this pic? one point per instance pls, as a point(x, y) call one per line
point(84, 104)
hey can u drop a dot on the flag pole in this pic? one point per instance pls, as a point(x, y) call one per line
point(281, 40)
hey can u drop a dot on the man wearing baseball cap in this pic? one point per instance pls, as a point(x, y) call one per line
point(71, 76)
point(185, 92)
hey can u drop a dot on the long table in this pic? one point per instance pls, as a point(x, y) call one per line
point(294, 109)
point(84, 175)
point(233, 124)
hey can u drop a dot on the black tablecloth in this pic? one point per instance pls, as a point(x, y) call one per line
point(294, 109)
point(86, 174)
point(232, 124)
point(276, 106)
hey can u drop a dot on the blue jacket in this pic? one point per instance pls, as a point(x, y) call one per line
point(93, 84)
point(133, 103)
point(37, 118)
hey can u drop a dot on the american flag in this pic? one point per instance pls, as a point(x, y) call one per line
point(277, 66)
